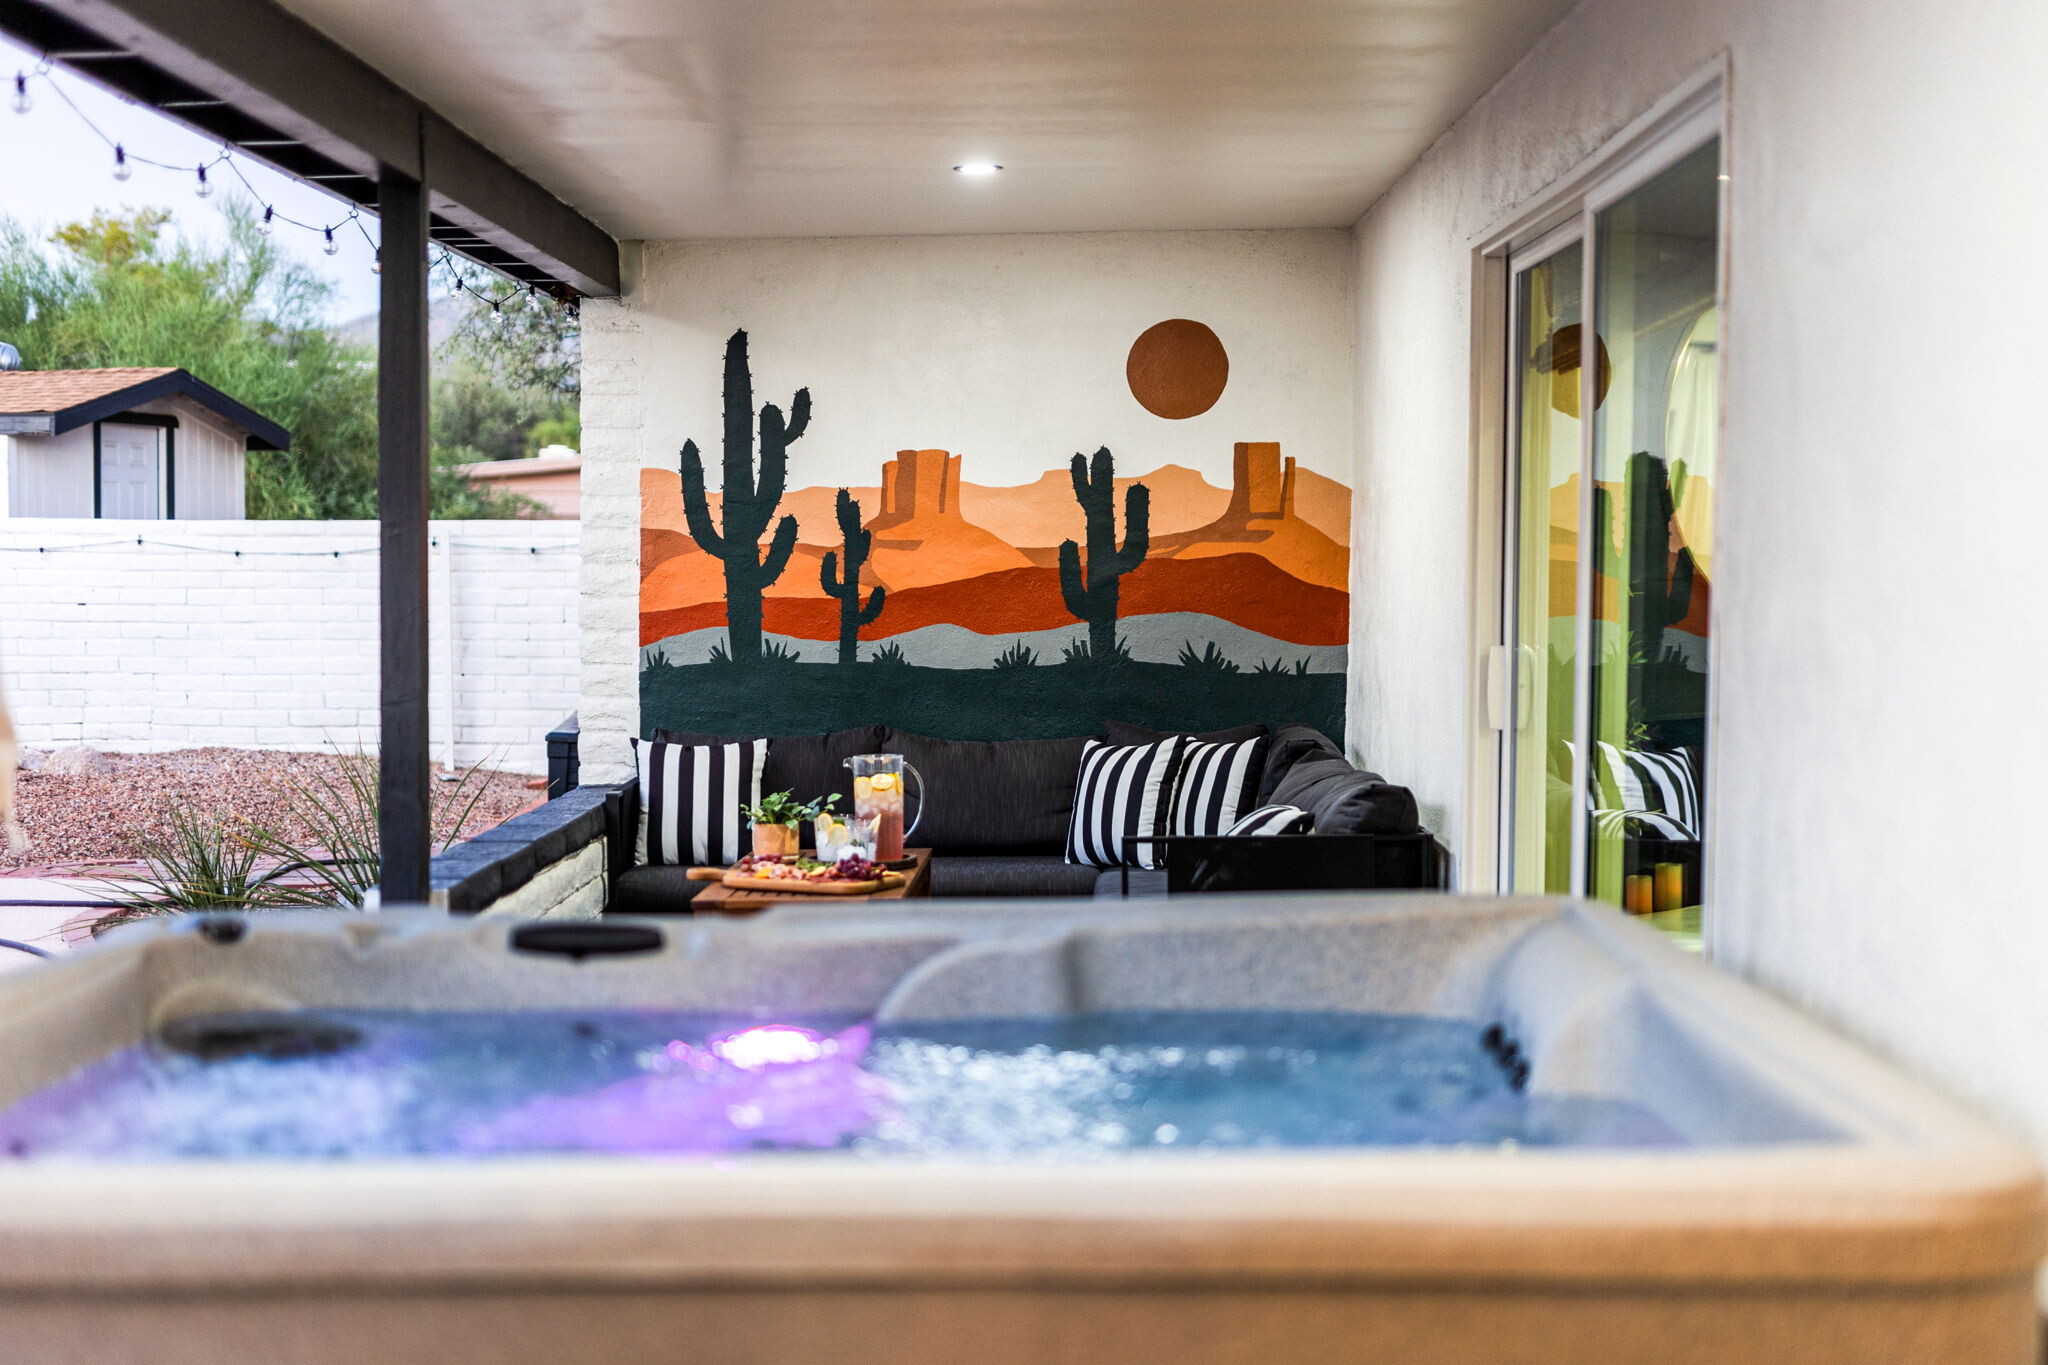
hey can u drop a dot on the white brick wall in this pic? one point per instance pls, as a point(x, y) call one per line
point(181, 642)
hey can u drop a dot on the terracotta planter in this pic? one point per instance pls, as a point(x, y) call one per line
point(775, 841)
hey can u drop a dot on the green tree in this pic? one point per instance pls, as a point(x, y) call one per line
point(507, 374)
point(121, 289)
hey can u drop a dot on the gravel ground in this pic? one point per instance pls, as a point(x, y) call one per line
point(84, 820)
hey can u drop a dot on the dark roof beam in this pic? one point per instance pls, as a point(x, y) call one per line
point(299, 84)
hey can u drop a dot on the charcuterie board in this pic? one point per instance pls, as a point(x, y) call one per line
point(741, 878)
point(741, 882)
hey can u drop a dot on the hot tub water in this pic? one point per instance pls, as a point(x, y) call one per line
point(388, 1083)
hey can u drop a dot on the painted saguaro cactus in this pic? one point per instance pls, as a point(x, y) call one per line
point(846, 586)
point(1092, 594)
point(749, 498)
point(1656, 578)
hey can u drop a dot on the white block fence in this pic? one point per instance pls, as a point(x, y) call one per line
point(143, 636)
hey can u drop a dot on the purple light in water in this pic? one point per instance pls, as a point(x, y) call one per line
point(774, 1045)
point(774, 1085)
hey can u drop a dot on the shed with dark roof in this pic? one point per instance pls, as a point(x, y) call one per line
point(131, 443)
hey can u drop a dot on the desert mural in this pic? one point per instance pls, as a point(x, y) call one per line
point(920, 596)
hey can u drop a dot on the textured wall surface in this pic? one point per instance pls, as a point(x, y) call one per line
point(1876, 764)
point(614, 419)
point(254, 634)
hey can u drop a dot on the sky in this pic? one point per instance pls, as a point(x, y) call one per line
point(54, 169)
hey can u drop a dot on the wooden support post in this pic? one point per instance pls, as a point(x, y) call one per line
point(404, 799)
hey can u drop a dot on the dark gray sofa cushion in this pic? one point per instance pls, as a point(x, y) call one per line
point(810, 767)
point(1010, 874)
point(1344, 800)
point(1122, 732)
point(1008, 795)
point(653, 890)
point(1292, 743)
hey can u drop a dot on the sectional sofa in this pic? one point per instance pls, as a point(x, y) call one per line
point(996, 813)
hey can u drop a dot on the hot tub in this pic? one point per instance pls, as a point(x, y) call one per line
point(1791, 1201)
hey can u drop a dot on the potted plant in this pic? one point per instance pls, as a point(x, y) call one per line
point(776, 824)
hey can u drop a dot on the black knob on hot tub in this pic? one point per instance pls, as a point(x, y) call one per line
point(221, 929)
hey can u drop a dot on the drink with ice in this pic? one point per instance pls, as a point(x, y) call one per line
point(878, 796)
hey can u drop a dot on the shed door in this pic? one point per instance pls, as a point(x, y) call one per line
point(131, 471)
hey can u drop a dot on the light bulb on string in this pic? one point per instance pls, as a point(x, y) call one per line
point(377, 264)
point(333, 248)
point(204, 189)
point(122, 170)
point(22, 102)
point(266, 227)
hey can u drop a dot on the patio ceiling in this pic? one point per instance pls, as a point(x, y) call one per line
point(706, 118)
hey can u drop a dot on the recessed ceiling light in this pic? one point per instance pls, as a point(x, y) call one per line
point(977, 168)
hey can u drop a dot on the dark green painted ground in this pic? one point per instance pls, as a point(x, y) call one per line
point(782, 698)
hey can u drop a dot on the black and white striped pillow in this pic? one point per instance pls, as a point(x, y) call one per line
point(1650, 781)
point(1217, 783)
point(1267, 820)
point(690, 800)
point(1641, 824)
point(1122, 790)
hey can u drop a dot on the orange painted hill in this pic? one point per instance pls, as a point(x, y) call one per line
point(665, 532)
point(1325, 504)
point(1246, 590)
point(1043, 512)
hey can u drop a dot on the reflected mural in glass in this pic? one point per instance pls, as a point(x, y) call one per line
point(1656, 291)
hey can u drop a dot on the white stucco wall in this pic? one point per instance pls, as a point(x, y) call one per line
point(1006, 349)
point(1877, 759)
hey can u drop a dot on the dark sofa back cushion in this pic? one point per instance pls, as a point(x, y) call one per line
point(1344, 800)
point(1292, 743)
point(1123, 733)
point(808, 766)
point(1010, 794)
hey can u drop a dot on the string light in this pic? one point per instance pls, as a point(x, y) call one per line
point(496, 301)
point(203, 187)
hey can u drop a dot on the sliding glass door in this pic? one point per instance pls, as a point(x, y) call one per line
point(1611, 467)
point(1544, 531)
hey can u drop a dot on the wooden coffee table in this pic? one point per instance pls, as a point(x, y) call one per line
point(719, 899)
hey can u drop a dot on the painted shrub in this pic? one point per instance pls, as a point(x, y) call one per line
point(1104, 588)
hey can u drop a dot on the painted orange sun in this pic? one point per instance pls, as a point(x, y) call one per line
point(1177, 368)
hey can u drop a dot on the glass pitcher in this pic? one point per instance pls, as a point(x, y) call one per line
point(878, 795)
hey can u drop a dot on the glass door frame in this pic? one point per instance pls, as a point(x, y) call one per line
point(1566, 214)
point(1508, 688)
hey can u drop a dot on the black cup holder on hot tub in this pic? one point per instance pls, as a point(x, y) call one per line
point(580, 940)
